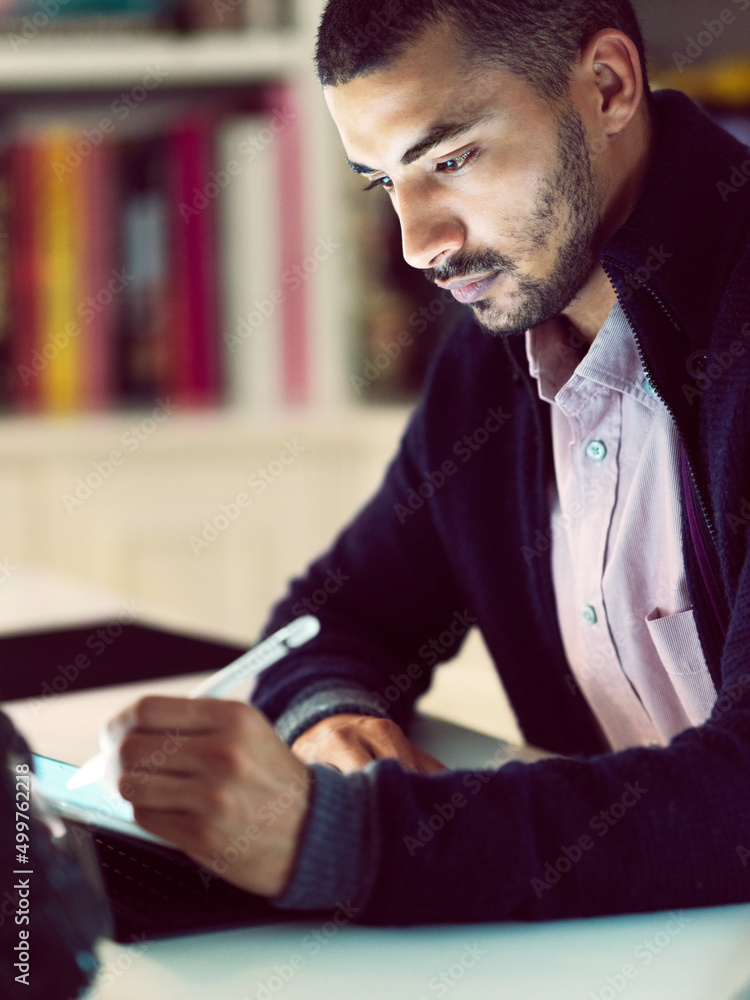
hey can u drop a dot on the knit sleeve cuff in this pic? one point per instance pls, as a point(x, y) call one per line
point(320, 702)
point(337, 860)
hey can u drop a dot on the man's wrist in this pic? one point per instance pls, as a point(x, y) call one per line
point(337, 851)
point(323, 700)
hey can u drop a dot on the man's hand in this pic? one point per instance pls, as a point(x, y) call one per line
point(214, 778)
point(349, 742)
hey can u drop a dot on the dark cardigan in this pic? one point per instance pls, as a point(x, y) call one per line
point(460, 530)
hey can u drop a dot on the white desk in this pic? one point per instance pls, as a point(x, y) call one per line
point(701, 955)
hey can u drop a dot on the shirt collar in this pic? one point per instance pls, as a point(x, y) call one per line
point(557, 356)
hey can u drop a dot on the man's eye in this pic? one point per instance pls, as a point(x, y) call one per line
point(455, 163)
point(384, 182)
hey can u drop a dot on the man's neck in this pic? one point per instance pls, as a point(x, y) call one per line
point(590, 309)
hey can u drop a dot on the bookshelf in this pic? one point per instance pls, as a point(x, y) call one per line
point(76, 62)
point(49, 69)
point(149, 494)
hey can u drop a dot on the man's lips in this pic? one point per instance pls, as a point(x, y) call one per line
point(468, 290)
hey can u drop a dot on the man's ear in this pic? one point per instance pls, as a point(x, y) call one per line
point(610, 73)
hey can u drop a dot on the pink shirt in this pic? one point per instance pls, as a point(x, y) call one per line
point(622, 598)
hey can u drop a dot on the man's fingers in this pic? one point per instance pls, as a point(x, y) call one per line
point(185, 830)
point(157, 712)
point(348, 758)
point(207, 775)
point(350, 742)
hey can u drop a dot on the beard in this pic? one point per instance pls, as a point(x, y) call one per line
point(570, 189)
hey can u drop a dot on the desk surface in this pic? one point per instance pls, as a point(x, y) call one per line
point(693, 955)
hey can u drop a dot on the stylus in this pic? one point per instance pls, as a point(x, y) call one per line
point(266, 653)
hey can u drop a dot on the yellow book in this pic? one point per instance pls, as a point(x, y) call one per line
point(60, 281)
point(724, 82)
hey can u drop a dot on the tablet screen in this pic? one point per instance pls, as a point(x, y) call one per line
point(93, 805)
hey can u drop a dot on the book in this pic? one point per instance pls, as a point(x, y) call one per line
point(60, 251)
point(252, 295)
point(157, 257)
point(102, 278)
point(26, 362)
point(143, 322)
point(296, 264)
point(24, 19)
point(193, 187)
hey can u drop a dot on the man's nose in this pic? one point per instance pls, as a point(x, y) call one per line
point(430, 230)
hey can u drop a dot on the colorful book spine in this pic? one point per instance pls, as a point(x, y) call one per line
point(62, 255)
point(296, 266)
point(23, 266)
point(252, 294)
point(5, 372)
point(103, 282)
point(146, 314)
point(194, 336)
point(165, 262)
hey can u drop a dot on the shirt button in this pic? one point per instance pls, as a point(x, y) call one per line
point(648, 387)
point(590, 615)
point(597, 451)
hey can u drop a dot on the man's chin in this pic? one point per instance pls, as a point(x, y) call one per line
point(497, 322)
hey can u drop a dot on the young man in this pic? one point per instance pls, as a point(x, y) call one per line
point(575, 482)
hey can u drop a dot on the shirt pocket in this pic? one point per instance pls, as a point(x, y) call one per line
point(679, 647)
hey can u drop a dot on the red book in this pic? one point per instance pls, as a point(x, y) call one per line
point(194, 337)
point(26, 361)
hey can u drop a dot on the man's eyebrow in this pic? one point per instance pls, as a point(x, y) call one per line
point(436, 136)
point(439, 134)
point(359, 168)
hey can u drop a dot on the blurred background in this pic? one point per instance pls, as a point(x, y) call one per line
point(209, 343)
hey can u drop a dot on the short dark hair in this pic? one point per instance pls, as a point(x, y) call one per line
point(539, 40)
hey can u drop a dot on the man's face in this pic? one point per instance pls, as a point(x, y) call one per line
point(492, 184)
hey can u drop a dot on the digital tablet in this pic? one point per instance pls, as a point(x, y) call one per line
point(94, 805)
point(153, 889)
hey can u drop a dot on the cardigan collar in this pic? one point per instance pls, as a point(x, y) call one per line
point(672, 260)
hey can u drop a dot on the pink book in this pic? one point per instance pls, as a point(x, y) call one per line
point(295, 348)
point(103, 282)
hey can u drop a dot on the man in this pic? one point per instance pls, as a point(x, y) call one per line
point(575, 482)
